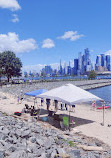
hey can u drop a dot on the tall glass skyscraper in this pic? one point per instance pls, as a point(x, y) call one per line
point(76, 66)
point(98, 60)
point(103, 60)
point(80, 63)
point(87, 62)
point(108, 62)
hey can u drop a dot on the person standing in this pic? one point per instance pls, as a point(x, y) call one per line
point(66, 106)
point(48, 103)
point(56, 105)
point(93, 105)
point(21, 96)
point(73, 108)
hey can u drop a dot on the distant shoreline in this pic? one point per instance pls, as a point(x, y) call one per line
point(15, 89)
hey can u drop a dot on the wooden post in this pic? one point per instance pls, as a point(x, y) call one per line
point(103, 113)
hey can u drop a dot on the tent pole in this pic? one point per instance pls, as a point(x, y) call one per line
point(69, 118)
point(103, 115)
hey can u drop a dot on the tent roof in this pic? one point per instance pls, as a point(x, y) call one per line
point(36, 92)
point(69, 94)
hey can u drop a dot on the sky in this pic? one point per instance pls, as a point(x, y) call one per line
point(41, 32)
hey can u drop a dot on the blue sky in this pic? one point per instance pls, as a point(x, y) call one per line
point(44, 31)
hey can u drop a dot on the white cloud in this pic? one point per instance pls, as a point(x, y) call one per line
point(108, 52)
point(39, 67)
point(15, 18)
point(48, 43)
point(10, 4)
point(11, 42)
point(91, 50)
point(72, 35)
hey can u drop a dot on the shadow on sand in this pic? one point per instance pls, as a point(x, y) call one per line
point(55, 119)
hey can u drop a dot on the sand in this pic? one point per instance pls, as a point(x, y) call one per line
point(90, 119)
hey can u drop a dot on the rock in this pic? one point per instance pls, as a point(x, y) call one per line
point(5, 131)
point(38, 152)
point(18, 133)
point(97, 156)
point(4, 97)
point(43, 155)
point(77, 140)
point(1, 128)
point(53, 154)
point(40, 142)
point(36, 130)
point(2, 154)
point(5, 144)
point(48, 133)
point(3, 136)
point(26, 133)
point(59, 142)
point(25, 128)
point(61, 151)
point(31, 155)
point(24, 142)
point(9, 140)
point(98, 144)
point(33, 139)
point(12, 149)
point(18, 154)
point(75, 154)
point(60, 136)
point(48, 143)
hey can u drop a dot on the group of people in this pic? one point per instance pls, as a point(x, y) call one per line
point(32, 110)
point(63, 106)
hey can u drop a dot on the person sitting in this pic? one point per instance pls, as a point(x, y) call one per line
point(73, 108)
point(61, 106)
point(48, 103)
point(56, 105)
point(42, 101)
point(66, 106)
point(32, 111)
point(26, 106)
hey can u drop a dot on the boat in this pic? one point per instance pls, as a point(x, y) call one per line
point(103, 107)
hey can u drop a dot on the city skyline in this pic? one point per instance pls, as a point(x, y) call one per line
point(43, 32)
point(79, 66)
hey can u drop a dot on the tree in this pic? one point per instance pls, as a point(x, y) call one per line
point(10, 64)
point(92, 74)
point(1, 68)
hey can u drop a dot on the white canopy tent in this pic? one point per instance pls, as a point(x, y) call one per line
point(69, 94)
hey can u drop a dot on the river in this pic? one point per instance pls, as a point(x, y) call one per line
point(103, 92)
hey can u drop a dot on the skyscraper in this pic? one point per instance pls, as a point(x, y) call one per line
point(108, 62)
point(76, 66)
point(103, 60)
point(48, 69)
point(69, 69)
point(60, 71)
point(98, 60)
point(80, 63)
point(87, 60)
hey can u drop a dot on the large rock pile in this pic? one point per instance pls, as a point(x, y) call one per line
point(20, 139)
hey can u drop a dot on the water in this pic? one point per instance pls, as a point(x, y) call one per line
point(66, 77)
point(103, 92)
point(55, 78)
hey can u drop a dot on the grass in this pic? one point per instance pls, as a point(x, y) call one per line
point(71, 143)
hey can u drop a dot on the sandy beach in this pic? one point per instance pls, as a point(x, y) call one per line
point(91, 127)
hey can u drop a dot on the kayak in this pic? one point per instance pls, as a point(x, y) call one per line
point(105, 107)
